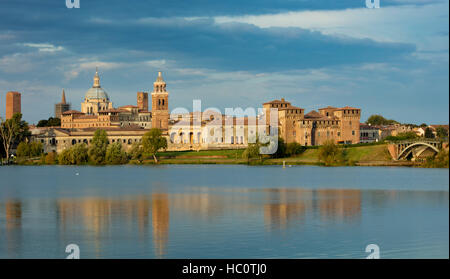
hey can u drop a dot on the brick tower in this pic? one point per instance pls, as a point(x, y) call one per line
point(142, 101)
point(13, 104)
point(160, 104)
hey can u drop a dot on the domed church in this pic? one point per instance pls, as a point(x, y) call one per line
point(96, 99)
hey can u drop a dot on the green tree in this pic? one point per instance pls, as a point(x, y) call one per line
point(441, 132)
point(402, 136)
point(65, 157)
point(253, 150)
point(97, 149)
point(51, 122)
point(115, 155)
point(153, 141)
point(281, 149)
point(23, 150)
point(136, 152)
point(79, 154)
point(331, 154)
point(429, 133)
point(36, 149)
point(13, 131)
point(76, 155)
point(379, 120)
point(294, 148)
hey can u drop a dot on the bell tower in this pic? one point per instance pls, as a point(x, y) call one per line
point(160, 104)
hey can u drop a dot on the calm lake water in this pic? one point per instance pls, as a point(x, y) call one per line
point(211, 211)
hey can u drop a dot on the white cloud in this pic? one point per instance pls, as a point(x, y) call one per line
point(44, 47)
point(426, 26)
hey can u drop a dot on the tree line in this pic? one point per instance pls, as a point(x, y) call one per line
point(101, 152)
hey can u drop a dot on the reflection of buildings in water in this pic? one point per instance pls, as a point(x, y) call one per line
point(203, 205)
point(285, 205)
point(339, 203)
point(160, 222)
point(13, 235)
point(13, 214)
point(142, 215)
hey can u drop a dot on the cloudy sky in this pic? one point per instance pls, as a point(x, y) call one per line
point(236, 53)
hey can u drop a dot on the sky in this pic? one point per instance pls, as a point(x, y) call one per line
point(392, 61)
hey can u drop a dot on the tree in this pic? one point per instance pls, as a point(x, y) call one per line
point(253, 150)
point(441, 132)
point(52, 121)
point(13, 131)
point(65, 157)
point(330, 153)
point(281, 149)
point(294, 148)
point(23, 149)
point(153, 141)
point(380, 120)
point(136, 152)
point(36, 149)
point(429, 133)
point(97, 150)
point(50, 158)
point(79, 153)
point(76, 155)
point(115, 155)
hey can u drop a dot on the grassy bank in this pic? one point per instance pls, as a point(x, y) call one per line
point(360, 155)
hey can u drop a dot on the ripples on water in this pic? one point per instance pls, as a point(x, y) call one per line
point(223, 212)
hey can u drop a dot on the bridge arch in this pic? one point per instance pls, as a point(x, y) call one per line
point(405, 152)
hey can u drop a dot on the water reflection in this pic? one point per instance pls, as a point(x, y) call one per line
point(99, 219)
point(13, 220)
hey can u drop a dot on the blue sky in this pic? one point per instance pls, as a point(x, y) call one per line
point(393, 61)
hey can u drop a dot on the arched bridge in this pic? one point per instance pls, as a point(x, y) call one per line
point(414, 149)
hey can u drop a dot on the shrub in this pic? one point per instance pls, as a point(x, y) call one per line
point(23, 149)
point(331, 154)
point(115, 155)
point(294, 148)
point(50, 158)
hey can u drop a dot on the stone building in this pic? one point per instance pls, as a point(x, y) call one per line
point(97, 111)
point(369, 133)
point(340, 125)
point(61, 107)
point(13, 104)
point(209, 129)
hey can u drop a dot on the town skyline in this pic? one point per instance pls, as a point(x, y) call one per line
point(391, 61)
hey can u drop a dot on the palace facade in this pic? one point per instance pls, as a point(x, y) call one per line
point(196, 130)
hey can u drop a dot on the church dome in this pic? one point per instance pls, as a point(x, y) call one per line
point(96, 92)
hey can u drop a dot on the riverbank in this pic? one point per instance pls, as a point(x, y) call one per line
point(361, 155)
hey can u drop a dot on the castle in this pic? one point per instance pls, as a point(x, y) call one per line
point(197, 130)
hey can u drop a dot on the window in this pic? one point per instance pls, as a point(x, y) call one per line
point(353, 133)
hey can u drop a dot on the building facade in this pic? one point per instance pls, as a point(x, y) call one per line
point(197, 130)
point(340, 125)
point(13, 104)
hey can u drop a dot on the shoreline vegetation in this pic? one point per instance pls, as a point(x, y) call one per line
point(358, 155)
point(151, 150)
